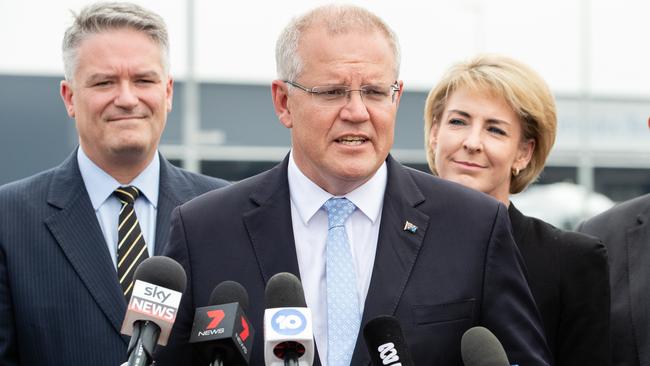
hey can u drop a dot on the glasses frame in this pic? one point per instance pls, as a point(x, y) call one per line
point(394, 87)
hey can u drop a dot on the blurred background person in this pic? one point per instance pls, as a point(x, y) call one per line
point(490, 124)
point(625, 231)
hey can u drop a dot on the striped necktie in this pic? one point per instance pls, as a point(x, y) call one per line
point(131, 248)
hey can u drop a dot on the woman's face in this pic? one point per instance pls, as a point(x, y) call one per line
point(478, 142)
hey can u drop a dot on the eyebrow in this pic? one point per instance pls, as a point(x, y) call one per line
point(100, 76)
point(489, 120)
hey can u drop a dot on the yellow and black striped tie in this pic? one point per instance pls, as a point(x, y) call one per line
point(131, 248)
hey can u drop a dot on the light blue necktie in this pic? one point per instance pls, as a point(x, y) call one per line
point(343, 318)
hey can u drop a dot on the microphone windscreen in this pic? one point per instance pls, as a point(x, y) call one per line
point(385, 341)
point(284, 290)
point(479, 347)
point(162, 271)
point(229, 291)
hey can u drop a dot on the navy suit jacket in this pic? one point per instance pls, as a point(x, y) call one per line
point(60, 301)
point(569, 278)
point(625, 230)
point(459, 269)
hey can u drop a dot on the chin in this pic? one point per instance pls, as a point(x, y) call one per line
point(131, 151)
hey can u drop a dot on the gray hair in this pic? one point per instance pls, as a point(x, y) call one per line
point(337, 19)
point(101, 17)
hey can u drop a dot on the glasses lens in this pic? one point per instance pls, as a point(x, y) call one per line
point(330, 93)
point(376, 93)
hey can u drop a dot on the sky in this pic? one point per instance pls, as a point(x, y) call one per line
point(596, 47)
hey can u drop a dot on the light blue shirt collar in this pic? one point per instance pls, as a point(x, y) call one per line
point(100, 185)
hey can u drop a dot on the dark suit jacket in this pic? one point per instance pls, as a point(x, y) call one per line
point(60, 301)
point(625, 230)
point(568, 275)
point(459, 269)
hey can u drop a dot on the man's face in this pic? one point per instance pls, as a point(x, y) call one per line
point(120, 96)
point(340, 147)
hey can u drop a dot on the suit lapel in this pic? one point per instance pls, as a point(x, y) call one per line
point(171, 193)
point(269, 224)
point(76, 230)
point(397, 249)
point(638, 242)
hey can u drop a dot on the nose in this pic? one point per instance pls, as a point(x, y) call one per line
point(473, 142)
point(126, 96)
point(354, 109)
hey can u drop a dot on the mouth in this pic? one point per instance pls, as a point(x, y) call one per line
point(351, 140)
point(469, 164)
point(122, 118)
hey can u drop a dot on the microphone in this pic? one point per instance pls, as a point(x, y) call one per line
point(288, 334)
point(479, 347)
point(158, 285)
point(385, 342)
point(221, 332)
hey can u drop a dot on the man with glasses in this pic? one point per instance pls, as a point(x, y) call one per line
point(366, 235)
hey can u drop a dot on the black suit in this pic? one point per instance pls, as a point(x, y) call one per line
point(60, 301)
point(568, 275)
point(625, 230)
point(459, 269)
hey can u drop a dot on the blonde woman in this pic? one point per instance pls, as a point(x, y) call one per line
point(490, 124)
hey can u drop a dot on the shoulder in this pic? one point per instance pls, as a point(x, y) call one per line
point(198, 183)
point(230, 197)
point(620, 215)
point(30, 188)
point(572, 245)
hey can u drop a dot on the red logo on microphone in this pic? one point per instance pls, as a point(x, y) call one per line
point(216, 316)
point(245, 332)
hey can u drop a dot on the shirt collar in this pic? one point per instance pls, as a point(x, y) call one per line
point(100, 185)
point(308, 197)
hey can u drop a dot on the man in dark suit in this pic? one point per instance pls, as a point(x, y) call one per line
point(437, 256)
point(61, 302)
point(625, 231)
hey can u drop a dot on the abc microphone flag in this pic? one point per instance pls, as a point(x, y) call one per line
point(288, 334)
point(386, 343)
point(221, 332)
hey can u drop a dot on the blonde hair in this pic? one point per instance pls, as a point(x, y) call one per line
point(522, 88)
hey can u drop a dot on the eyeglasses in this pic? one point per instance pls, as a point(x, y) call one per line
point(339, 95)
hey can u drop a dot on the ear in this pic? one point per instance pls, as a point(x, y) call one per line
point(399, 93)
point(169, 90)
point(67, 94)
point(280, 94)
point(524, 154)
point(433, 135)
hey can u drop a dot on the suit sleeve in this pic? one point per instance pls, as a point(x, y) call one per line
point(8, 335)
point(178, 351)
point(584, 323)
point(508, 308)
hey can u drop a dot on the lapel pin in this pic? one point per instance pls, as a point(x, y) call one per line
point(410, 227)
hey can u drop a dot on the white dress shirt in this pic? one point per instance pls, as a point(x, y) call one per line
point(309, 221)
point(100, 186)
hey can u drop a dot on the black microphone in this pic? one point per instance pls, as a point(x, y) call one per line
point(221, 332)
point(288, 334)
point(158, 284)
point(479, 347)
point(385, 342)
